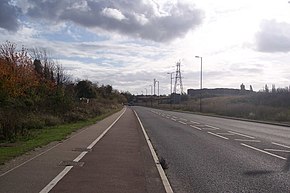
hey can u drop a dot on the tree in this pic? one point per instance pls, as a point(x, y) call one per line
point(85, 89)
point(251, 88)
point(266, 88)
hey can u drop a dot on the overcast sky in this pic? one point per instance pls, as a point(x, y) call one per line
point(128, 43)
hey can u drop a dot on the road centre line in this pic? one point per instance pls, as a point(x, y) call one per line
point(164, 179)
point(182, 122)
point(173, 119)
point(242, 135)
point(254, 148)
point(280, 145)
point(216, 128)
point(52, 183)
point(248, 140)
point(183, 119)
point(218, 135)
point(195, 122)
point(278, 150)
point(195, 127)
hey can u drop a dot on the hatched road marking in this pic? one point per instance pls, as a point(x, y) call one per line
point(254, 148)
point(218, 135)
point(195, 127)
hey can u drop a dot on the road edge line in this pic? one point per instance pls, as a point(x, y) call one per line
point(55, 180)
point(164, 178)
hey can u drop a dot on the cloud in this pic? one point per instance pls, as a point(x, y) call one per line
point(273, 37)
point(8, 16)
point(143, 19)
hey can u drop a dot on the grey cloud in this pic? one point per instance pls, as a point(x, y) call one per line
point(8, 16)
point(142, 19)
point(273, 37)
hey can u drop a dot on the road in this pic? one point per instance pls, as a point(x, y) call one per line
point(210, 154)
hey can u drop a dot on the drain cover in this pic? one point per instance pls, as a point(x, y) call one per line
point(71, 163)
point(81, 149)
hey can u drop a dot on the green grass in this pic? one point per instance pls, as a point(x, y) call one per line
point(41, 137)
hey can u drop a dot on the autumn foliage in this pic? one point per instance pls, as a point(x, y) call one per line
point(35, 92)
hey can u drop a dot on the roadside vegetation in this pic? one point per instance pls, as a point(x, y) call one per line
point(40, 103)
point(271, 105)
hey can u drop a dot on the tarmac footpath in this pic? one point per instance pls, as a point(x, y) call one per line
point(119, 163)
point(111, 156)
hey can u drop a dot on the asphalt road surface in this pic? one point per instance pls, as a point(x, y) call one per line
point(209, 154)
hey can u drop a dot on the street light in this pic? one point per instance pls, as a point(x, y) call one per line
point(170, 81)
point(200, 107)
point(151, 89)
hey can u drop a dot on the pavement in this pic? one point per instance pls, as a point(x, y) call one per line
point(88, 161)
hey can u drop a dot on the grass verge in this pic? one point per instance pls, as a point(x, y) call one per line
point(41, 137)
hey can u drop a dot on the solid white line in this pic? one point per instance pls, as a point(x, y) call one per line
point(280, 145)
point(195, 122)
point(242, 135)
point(164, 179)
point(216, 128)
point(195, 127)
point(77, 159)
point(263, 151)
point(49, 186)
point(217, 135)
point(173, 119)
point(278, 150)
point(247, 140)
point(183, 119)
point(182, 122)
point(102, 135)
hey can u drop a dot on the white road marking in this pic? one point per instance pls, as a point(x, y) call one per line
point(242, 135)
point(280, 145)
point(167, 117)
point(182, 122)
point(247, 140)
point(254, 148)
point(225, 133)
point(215, 128)
point(164, 179)
point(51, 184)
point(217, 135)
point(80, 156)
point(195, 127)
point(278, 150)
point(183, 119)
point(173, 119)
point(195, 122)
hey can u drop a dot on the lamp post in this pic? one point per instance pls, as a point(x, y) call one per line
point(200, 105)
point(170, 81)
point(151, 89)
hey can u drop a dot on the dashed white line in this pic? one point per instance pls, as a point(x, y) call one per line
point(47, 188)
point(248, 140)
point(254, 148)
point(195, 122)
point(225, 133)
point(280, 145)
point(182, 122)
point(215, 128)
point(183, 119)
point(242, 135)
point(167, 117)
point(278, 150)
point(195, 127)
point(173, 119)
point(52, 183)
point(217, 135)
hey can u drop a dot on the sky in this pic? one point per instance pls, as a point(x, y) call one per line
point(128, 43)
